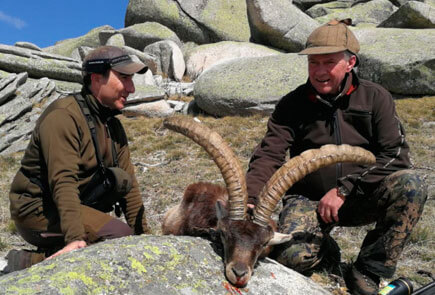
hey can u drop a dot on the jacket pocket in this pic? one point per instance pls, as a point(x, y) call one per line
point(24, 205)
point(361, 120)
point(25, 197)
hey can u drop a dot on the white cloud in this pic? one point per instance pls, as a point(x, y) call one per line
point(16, 22)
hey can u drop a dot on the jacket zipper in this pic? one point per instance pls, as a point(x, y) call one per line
point(337, 133)
point(359, 112)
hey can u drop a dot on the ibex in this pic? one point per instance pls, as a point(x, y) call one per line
point(206, 207)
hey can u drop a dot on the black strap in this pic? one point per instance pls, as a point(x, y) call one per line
point(114, 157)
point(91, 123)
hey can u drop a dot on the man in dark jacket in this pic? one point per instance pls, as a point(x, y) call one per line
point(336, 107)
point(79, 151)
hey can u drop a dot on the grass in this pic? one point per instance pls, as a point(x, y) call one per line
point(167, 162)
point(3, 245)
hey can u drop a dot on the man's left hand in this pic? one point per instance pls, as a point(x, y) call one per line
point(329, 206)
point(70, 247)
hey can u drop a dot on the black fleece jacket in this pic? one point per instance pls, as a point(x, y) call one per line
point(363, 115)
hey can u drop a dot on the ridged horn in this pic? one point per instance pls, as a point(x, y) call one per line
point(298, 167)
point(224, 158)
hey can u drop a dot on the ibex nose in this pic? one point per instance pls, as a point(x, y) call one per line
point(239, 270)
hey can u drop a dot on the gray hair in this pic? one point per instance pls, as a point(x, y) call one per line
point(348, 54)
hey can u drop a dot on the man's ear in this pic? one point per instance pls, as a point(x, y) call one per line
point(95, 78)
point(351, 63)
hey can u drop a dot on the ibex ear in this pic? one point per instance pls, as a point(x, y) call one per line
point(279, 238)
point(221, 212)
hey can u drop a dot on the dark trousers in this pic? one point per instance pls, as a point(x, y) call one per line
point(396, 206)
point(99, 226)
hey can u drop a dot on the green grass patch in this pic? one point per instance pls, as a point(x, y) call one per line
point(11, 227)
point(3, 245)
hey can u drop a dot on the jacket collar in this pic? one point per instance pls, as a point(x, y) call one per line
point(96, 108)
point(350, 84)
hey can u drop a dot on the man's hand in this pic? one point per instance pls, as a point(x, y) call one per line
point(71, 246)
point(329, 206)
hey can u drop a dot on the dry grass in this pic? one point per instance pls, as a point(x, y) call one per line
point(167, 162)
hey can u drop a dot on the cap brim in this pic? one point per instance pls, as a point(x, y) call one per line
point(327, 50)
point(322, 50)
point(130, 67)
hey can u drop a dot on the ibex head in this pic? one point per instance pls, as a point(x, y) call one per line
point(246, 237)
point(243, 242)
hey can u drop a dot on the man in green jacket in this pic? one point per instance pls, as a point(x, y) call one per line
point(49, 192)
point(336, 107)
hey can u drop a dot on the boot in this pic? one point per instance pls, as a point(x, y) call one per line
point(331, 255)
point(360, 282)
point(21, 259)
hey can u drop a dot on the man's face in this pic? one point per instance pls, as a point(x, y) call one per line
point(112, 90)
point(327, 71)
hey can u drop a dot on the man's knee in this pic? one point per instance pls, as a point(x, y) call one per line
point(298, 214)
point(301, 257)
point(112, 229)
point(101, 226)
point(406, 186)
point(115, 229)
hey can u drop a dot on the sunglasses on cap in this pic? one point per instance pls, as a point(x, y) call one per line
point(126, 64)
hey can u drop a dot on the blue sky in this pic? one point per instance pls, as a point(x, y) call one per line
point(44, 22)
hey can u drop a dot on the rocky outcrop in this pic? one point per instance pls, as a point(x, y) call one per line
point(151, 265)
point(412, 15)
point(115, 40)
point(249, 85)
point(322, 9)
point(372, 12)
point(169, 59)
point(66, 47)
point(152, 109)
point(38, 64)
point(306, 4)
point(141, 35)
point(9, 85)
point(195, 20)
point(279, 24)
point(203, 57)
point(398, 59)
point(22, 101)
point(27, 45)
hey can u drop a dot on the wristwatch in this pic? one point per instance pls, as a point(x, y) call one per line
point(342, 191)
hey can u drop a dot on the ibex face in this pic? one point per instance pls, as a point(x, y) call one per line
point(243, 242)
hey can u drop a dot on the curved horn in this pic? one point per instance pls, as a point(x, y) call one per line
point(298, 167)
point(224, 158)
